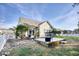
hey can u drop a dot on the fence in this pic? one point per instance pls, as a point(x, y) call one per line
point(2, 41)
point(4, 38)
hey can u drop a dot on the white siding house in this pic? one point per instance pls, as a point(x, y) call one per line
point(36, 28)
point(44, 27)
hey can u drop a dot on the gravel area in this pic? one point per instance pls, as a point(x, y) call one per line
point(19, 44)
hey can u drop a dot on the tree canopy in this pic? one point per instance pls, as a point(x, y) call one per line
point(20, 30)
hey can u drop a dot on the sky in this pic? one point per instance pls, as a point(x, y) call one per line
point(60, 15)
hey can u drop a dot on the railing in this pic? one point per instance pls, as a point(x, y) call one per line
point(4, 38)
point(2, 41)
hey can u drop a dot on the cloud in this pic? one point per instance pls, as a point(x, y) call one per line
point(2, 21)
point(33, 12)
point(67, 21)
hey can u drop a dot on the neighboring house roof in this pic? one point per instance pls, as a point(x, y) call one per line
point(32, 22)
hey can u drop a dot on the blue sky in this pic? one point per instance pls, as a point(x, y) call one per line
point(62, 16)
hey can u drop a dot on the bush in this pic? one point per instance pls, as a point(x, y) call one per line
point(54, 44)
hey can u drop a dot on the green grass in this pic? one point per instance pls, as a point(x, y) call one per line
point(64, 52)
point(42, 52)
point(68, 37)
point(27, 52)
point(59, 36)
point(21, 51)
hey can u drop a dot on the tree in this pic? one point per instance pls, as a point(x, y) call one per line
point(55, 31)
point(74, 5)
point(78, 24)
point(65, 32)
point(20, 31)
point(76, 31)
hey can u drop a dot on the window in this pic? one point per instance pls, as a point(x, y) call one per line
point(48, 33)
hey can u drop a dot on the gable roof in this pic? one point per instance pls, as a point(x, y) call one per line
point(28, 21)
point(47, 22)
point(35, 23)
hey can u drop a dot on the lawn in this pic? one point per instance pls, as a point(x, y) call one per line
point(68, 37)
point(32, 48)
point(48, 52)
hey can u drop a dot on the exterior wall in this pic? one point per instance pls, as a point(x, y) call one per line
point(42, 28)
point(26, 34)
point(33, 31)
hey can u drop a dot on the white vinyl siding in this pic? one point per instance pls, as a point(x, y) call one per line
point(42, 28)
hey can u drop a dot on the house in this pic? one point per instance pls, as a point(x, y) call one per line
point(3, 31)
point(36, 28)
point(8, 33)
